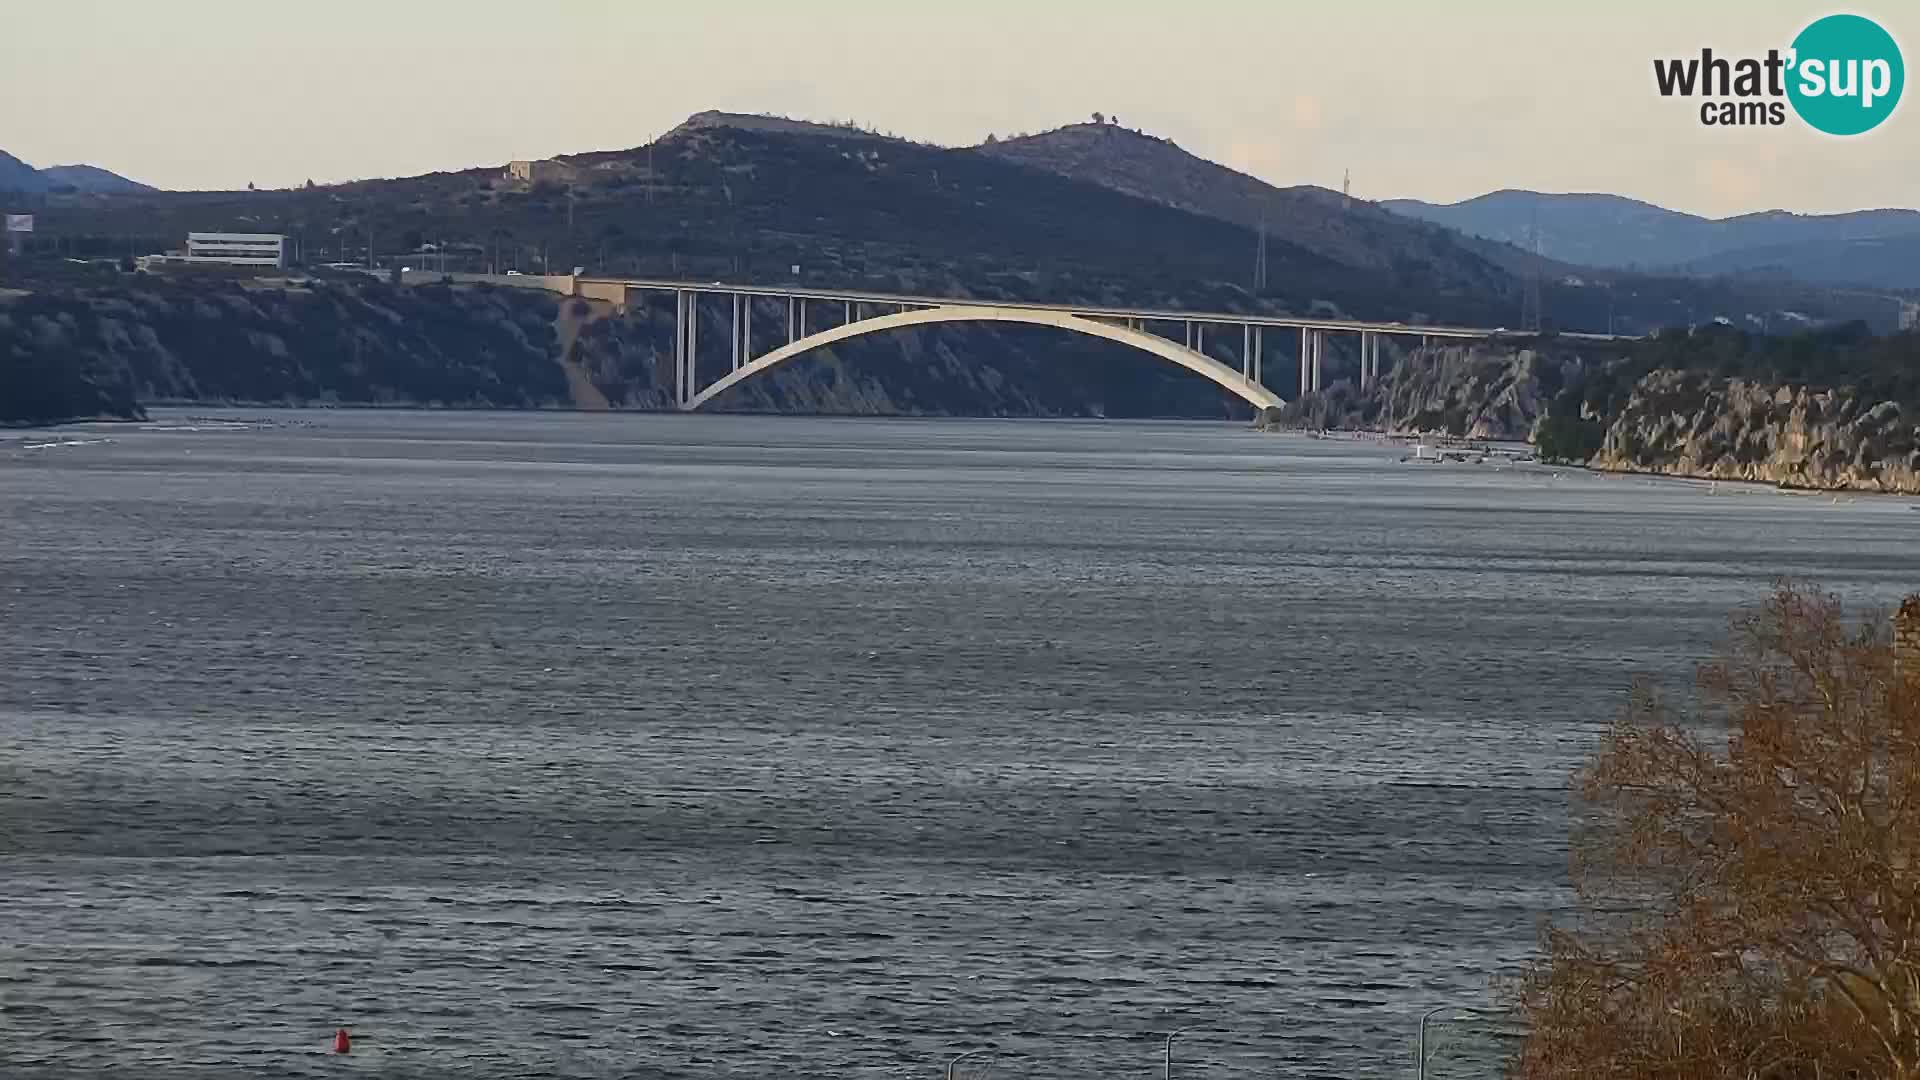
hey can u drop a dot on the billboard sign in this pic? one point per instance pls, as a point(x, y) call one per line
point(17, 223)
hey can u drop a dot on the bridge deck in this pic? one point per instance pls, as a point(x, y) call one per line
point(1233, 318)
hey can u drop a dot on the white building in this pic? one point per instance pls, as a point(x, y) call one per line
point(533, 172)
point(1910, 316)
point(237, 249)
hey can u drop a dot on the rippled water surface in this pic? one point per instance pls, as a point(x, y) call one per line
point(692, 746)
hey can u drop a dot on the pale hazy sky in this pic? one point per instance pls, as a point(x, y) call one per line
point(1436, 99)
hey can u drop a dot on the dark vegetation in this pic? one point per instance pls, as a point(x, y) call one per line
point(40, 385)
point(1564, 439)
point(96, 349)
point(1850, 356)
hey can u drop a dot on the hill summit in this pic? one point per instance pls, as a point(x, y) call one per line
point(1349, 231)
point(778, 125)
point(17, 175)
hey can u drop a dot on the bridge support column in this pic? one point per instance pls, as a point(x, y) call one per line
point(1319, 349)
point(693, 348)
point(734, 332)
point(1306, 359)
point(1246, 353)
point(1259, 347)
point(685, 321)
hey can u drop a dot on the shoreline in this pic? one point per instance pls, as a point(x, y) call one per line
point(68, 421)
point(1740, 484)
point(1781, 487)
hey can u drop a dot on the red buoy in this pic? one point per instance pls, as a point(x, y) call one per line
point(342, 1042)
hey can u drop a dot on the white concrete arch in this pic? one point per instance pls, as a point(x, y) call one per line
point(1227, 378)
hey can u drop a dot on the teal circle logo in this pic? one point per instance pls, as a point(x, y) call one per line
point(1846, 75)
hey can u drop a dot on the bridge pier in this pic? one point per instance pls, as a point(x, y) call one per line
point(686, 344)
point(1312, 345)
point(734, 333)
point(1306, 352)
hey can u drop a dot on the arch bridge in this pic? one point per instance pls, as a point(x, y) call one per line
point(850, 314)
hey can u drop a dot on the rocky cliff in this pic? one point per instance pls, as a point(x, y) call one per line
point(1693, 424)
point(1631, 412)
point(1476, 391)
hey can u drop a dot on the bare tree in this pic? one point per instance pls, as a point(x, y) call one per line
point(1748, 900)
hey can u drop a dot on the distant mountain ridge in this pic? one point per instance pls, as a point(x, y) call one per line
point(17, 175)
point(1613, 231)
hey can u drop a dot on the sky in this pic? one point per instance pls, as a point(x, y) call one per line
point(1434, 99)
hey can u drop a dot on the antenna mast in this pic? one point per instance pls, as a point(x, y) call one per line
point(1260, 256)
point(1530, 317)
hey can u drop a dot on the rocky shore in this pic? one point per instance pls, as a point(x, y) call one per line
point(1691, 424)
point(1626, 417)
